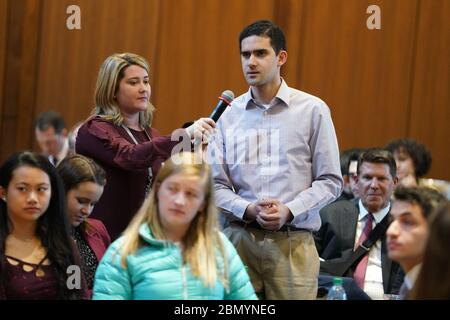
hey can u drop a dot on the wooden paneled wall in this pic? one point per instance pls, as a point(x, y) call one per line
point(379, 84)
point(364, 75)
point(20, 75)
point(430, 89)
point(3, 17)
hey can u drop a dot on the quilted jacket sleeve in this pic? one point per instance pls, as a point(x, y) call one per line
point(112, 281)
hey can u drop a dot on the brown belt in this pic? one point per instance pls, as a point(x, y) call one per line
point(256, 225)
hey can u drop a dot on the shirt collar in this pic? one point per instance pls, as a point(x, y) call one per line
point(378, 216)
point(65, 149)
point(282, 94)
point(411, 276)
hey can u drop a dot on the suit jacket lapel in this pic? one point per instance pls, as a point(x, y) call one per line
point(347, 225)
point(352, 222)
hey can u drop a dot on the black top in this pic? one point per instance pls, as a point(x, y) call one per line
point(88, 258)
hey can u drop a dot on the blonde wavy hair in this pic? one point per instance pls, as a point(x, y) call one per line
point(202, 243)
point(109, 76)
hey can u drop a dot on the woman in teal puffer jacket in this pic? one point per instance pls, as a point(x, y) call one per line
point(173, 248)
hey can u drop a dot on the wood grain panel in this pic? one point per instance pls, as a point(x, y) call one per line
point(364, 75)
point(290, 18)
point(430, 95)
point(198, 56)
point(19, 90)
point(3, 26)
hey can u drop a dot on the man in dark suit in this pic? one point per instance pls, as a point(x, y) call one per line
point(52, 137)
point(349, 159)
point(347, 224)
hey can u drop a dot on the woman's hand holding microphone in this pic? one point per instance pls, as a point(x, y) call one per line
point(201, 131)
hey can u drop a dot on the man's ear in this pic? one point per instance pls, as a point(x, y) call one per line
point(282, 57)
point(3, 193)
point(346, 178)
point(395, 181)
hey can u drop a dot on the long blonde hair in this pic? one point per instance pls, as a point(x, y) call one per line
point(109, 76)
point(202, 241)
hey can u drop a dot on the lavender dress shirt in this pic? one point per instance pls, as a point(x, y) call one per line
point(286, 150)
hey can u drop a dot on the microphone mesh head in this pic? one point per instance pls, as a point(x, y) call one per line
point(228, 95)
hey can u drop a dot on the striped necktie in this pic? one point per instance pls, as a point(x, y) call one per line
point(360, 271)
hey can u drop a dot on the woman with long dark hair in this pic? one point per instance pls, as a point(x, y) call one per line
point(35, 245)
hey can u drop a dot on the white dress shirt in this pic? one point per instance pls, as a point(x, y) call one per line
point(373, 282)
point(62, 154)
point(411, 276)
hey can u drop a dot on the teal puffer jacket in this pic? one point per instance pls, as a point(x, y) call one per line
point(156, 271)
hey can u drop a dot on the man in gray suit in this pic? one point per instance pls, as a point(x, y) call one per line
point(346, 225)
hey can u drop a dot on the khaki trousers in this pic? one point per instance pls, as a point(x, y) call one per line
point(281, 264)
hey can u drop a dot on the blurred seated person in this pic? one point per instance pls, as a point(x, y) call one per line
point(413, 160)
point(349, 161)
point(36, 248)
point(51, 135)
point(408, 233)
point(84, 181)
point(442, 186)
point(433, 281)
point(352, 239)
point(173, 248)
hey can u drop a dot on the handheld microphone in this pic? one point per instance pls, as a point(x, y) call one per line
point(224, 101)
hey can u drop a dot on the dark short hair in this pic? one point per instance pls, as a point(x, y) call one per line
point(419, 154)
point(348, 156)
point(377, 155)
point(49, 119)
point(265, 28)
point(426, 198)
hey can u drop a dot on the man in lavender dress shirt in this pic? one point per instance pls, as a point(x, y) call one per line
point(275, 162)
